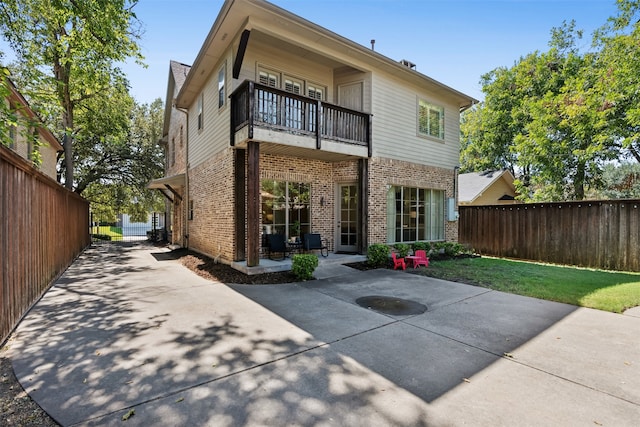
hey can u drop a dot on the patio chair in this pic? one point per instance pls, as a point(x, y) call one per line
point(276, 244)
point(420, 258)
point(313, 242)
point(398, 262)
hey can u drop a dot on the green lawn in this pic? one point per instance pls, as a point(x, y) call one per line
point(604, 290)
point(107, 230)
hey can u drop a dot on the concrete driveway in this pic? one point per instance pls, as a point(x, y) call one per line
point(129, 331)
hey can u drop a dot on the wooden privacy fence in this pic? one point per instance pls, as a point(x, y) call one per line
point(598, 234)
point(43, 227)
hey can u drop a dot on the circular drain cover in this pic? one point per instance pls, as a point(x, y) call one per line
point(391, 305)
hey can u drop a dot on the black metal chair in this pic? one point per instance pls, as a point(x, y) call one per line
point(276, 243)
point(313, 242)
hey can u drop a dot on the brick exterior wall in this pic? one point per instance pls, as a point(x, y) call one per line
point(176, 141)
point(323, 177)
point(211, 231)
point(384, 172)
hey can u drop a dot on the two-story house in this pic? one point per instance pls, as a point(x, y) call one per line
point(27, 135)
point(291, 128)
point(174, 141)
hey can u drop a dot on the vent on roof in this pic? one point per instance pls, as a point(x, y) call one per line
point(487, 173)
point(408, 64)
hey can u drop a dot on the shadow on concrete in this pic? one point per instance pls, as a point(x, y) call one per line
point(120, 331)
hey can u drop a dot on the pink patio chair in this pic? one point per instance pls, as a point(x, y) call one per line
point(420, 258)
point(398, 262)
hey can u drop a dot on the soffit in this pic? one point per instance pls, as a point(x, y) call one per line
point(305, 37)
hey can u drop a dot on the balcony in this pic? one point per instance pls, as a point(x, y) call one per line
point(292, 121)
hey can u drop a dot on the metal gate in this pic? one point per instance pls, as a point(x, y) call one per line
point(124, 229)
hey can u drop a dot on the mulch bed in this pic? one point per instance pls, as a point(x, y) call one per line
point(206, 267)
point(209, 269)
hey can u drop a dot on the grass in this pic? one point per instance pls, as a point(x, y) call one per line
point(604, 290)
point(107, 230)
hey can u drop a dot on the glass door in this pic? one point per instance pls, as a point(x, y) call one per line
point(347, 218)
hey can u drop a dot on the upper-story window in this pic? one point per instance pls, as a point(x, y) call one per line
point(172, 151)
point(293, 85)
point(200, 107)
point(13, 136)
point(430, 119)
point(268, 78)
point(315, 92)
point(221, 79)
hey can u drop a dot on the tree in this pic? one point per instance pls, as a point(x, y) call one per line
point(68, 50)
point(543, 119)
point(621, 181)
point(113, 172)
point(618, 84)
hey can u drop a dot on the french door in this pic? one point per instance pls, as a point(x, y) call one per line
point(347, 218)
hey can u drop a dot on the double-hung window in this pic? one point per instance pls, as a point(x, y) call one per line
point(430, 119)
point(414, 214)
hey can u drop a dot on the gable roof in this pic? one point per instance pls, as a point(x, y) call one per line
point(472, 185)
point(25, 109)
point(177, 75)
point(258, 15)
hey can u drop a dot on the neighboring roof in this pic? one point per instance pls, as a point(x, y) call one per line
point(177, 75)
point(16, 97)
point(472, 185)
point(236, 15)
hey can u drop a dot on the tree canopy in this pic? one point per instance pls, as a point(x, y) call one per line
point(555, 119)
point(67, 52)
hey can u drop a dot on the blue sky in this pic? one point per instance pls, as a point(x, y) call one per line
point(452, 41)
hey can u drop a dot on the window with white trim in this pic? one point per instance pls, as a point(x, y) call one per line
point(293, 85)
point(268, 78)
point(13, 136)
point(415, 214)
point(315, 92)
point(200, 108)
point(221, 80)
point(286, 208)
point(430, 119)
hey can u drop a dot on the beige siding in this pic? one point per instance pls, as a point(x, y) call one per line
point(260, 54)
point(214, 136)
point(49, 160)
point(47, 153)
point(492, 194)
point(395, 134)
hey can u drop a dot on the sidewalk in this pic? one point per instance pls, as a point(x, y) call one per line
point(122, 333)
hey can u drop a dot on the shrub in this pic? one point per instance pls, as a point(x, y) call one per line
point(424, 246)
point(451, 248)
point(100, 237)
point(303, 265)
point(402, 248)
point(378, 255)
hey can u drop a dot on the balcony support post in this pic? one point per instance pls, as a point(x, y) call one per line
point(318, 125)
point(251, 107)
point(240, 204)
point(253, 203)
point(363, 205)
